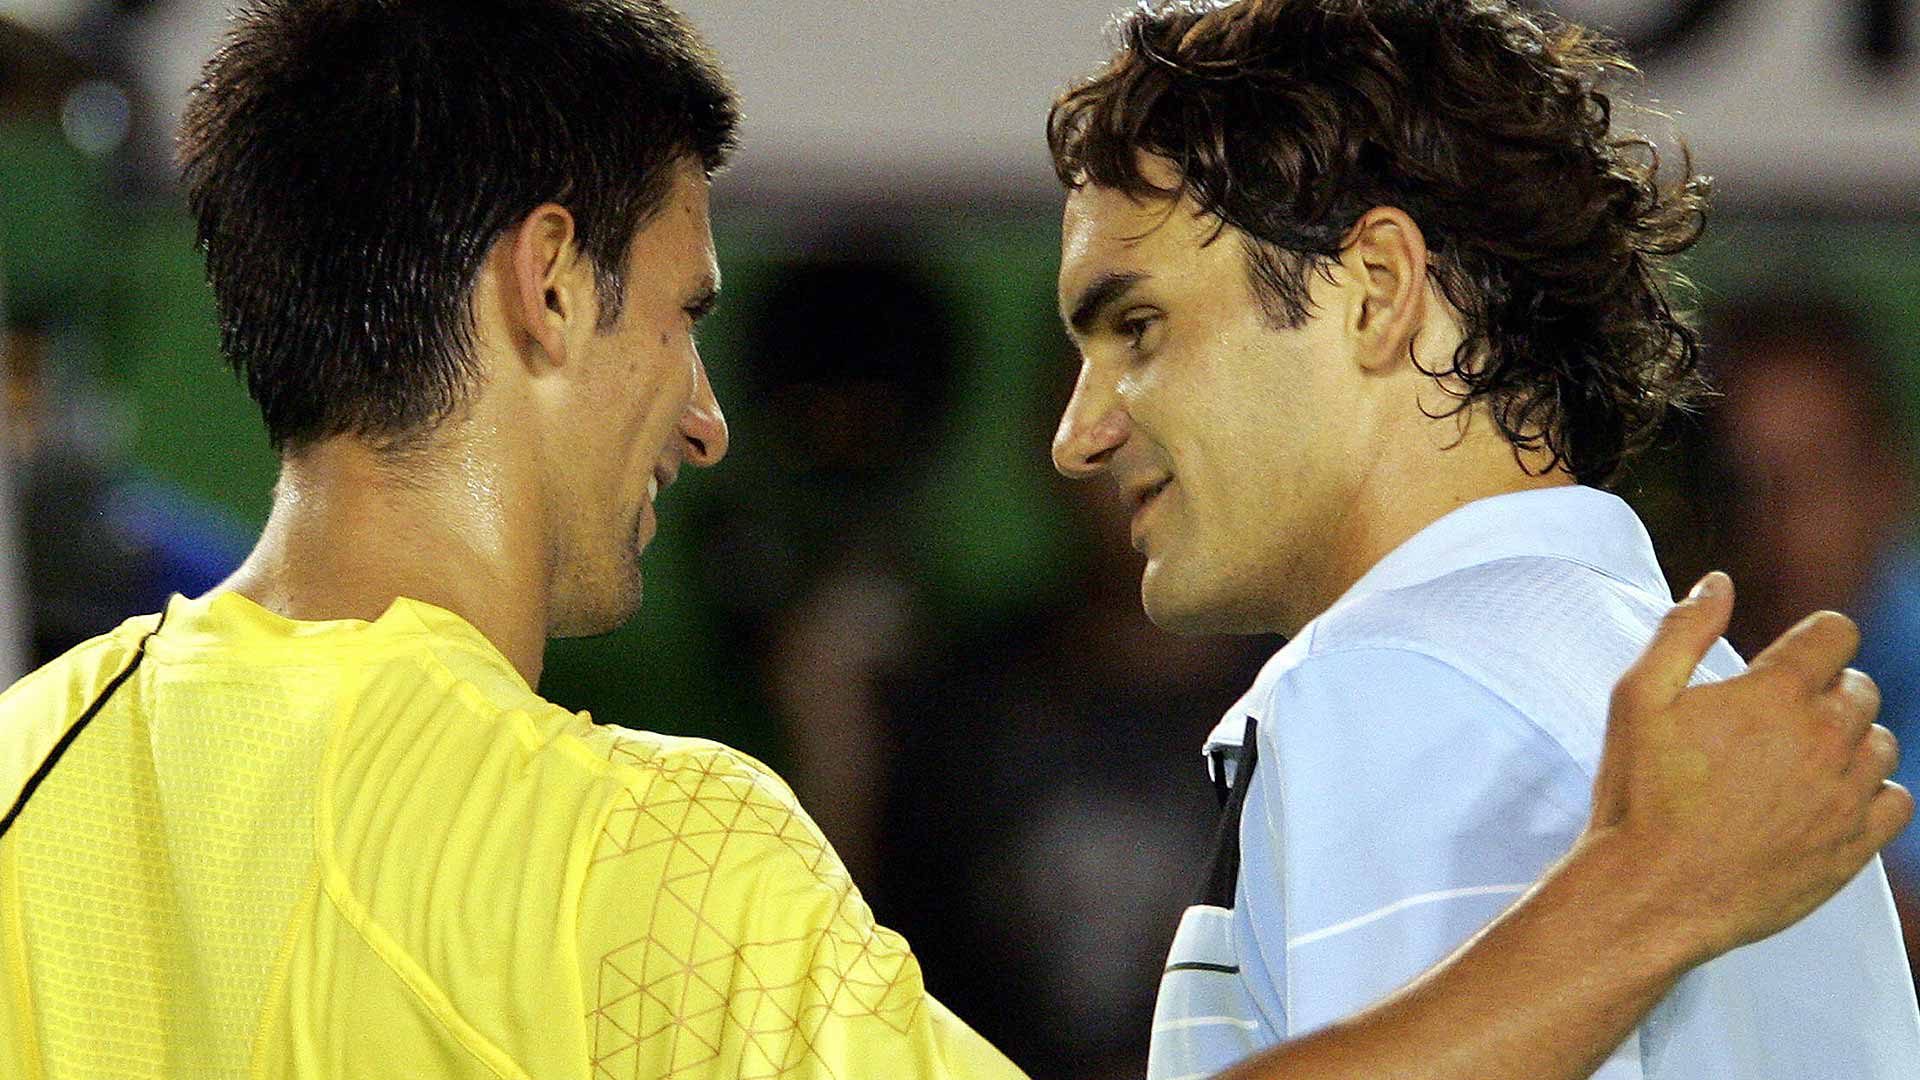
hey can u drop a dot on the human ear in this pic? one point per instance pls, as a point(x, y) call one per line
point(546, 301)
point(1386, 256)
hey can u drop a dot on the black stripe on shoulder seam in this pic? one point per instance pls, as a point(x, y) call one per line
point(72, 733)
point(1198, 965)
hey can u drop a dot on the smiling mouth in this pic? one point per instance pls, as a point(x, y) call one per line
point(1143, 500)
point(663, 478)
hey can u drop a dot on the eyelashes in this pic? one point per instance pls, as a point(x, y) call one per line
point(1134, 327)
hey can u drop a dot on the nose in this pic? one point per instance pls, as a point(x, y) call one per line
point(1094, 425)
point(703, 427)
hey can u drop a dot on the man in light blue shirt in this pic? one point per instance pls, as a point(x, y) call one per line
point(1369, 301)
point(1425, 748)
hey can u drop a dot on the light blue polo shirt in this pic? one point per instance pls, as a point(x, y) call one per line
point(1423, 751)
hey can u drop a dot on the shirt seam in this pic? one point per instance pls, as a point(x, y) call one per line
point(418, 983)
point(474, 697)
point(577, 754)
point(275, 1004)
point(72, 659)
point(339, 892)
point(202, 643)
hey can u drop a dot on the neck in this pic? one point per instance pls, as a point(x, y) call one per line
point(1402, 495)
point(349, 534)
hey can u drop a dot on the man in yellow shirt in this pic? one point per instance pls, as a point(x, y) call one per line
point(319, 824)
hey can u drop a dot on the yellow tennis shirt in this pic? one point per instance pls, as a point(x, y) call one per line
point(351, 849)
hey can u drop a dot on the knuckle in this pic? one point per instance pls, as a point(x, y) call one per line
point(1850, 708)
point(1810, 655)
point(1627, 695)
point(1681, 613)
point(1778, 684)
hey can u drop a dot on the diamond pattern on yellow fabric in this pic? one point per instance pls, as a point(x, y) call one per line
point(758, 957)
point(507, 889)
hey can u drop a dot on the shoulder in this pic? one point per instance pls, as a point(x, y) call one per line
point(37, 711)
point(714, 915)
point(1547, 637)
point(519, 758)
point(643, 761)
point(635, 755)
point(456, 769)
point(708, 801)
point(1398, 792)
point(1464, 697)
point(83, 669)
point(1524, 606)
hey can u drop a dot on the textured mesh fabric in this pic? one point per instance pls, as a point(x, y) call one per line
point(158, 865)
point(370, 849)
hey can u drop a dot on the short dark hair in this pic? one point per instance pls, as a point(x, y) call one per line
point(351, 162)
point(1487, 123)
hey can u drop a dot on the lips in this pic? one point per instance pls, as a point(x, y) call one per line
point(663, 477)
point(1145, 496)
point(1143, 492)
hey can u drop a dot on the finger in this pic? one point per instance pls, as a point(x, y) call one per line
point(1813, 652)
point(1876, 758)
point(1854, 703)
point(1888, 814)
point(1679, 644)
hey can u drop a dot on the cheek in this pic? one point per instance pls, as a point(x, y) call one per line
point(654, 385)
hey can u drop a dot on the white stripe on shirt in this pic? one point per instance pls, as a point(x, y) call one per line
point(1402, 905)
point(1204, 1021)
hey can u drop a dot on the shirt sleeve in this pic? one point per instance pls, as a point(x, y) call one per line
point(720, 936)
point(1399, 806)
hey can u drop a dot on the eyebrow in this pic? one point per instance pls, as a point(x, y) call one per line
point(1105, 291)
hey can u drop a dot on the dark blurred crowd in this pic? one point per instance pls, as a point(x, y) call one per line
point(1802, 482)
point(1012, 774)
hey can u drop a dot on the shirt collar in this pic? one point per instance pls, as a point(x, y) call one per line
point(1596, 529)
point(1583, 525)
point(225, 618)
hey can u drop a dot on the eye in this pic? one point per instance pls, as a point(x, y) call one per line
point(1134, 326)
point(702, 306)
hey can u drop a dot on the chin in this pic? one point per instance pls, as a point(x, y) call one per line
point(591, 607)
point(1196, 608)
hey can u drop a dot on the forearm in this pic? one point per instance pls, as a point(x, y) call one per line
point(1545, 992)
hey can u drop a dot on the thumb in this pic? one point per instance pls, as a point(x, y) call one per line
point(1680, 643)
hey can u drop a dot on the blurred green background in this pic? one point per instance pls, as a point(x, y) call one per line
point(992, 532)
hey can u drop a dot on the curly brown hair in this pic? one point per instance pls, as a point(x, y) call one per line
point(1488, 124)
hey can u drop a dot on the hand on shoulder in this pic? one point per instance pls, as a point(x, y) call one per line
point(1736, 808)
